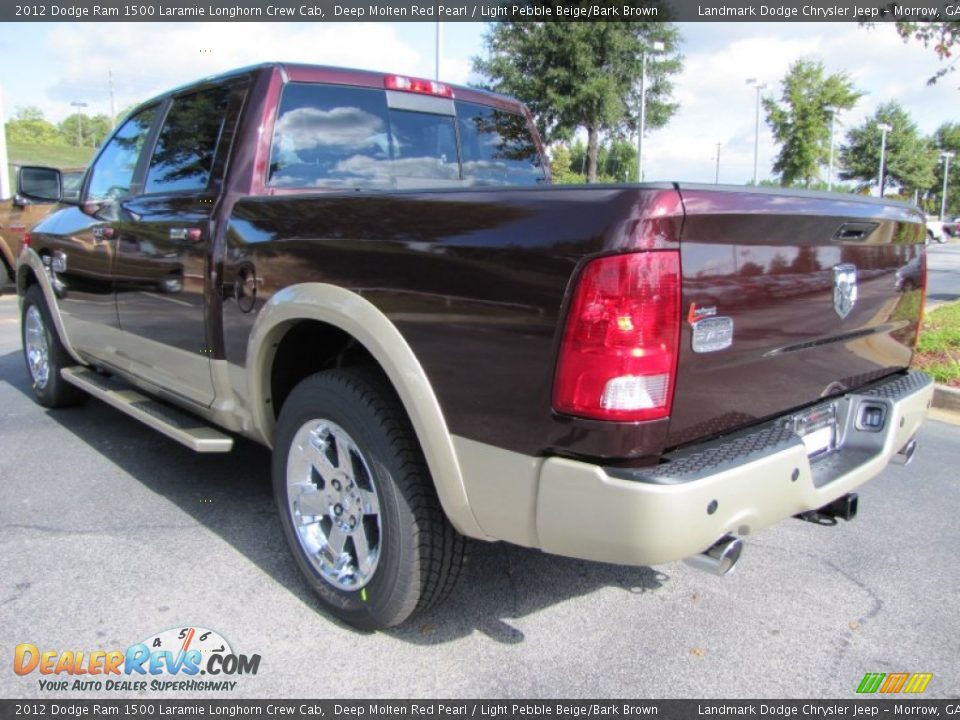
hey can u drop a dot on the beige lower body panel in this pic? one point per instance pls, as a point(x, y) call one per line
point(576, 509)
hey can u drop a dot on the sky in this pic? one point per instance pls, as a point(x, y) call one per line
point(50, 65)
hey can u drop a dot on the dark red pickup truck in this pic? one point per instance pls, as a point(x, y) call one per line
point(371, 275)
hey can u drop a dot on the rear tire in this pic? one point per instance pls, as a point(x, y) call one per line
point(45, 355)
point(357, 504)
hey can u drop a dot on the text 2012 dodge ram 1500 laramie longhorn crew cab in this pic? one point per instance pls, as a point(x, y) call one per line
point(369, 274)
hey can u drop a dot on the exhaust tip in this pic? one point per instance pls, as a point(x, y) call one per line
point(905, 456)
point(720, 559)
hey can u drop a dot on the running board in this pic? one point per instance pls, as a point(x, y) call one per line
point(172, 422)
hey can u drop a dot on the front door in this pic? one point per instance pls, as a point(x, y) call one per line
point(81, 247)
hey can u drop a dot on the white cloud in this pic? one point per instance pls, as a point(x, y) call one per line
point(147, 59)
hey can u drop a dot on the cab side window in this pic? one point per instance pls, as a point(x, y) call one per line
point(185, 151)
point(113, 171)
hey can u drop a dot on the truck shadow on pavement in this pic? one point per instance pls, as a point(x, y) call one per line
point(231, 495)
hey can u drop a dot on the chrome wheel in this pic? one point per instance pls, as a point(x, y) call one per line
point(36, 347)
point(333, 504)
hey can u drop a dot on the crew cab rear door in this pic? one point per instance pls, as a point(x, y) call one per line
point(162, 266)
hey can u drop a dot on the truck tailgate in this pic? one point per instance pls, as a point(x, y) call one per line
point(824, 294)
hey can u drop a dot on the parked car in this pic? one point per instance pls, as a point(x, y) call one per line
point(19, 214)
point(937, 230)
point(380, 285)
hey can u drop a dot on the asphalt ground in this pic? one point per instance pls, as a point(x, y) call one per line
point(110, 533)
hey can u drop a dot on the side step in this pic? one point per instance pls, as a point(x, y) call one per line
point(171, 421)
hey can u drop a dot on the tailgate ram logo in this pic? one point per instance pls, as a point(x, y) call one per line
point(844, 288)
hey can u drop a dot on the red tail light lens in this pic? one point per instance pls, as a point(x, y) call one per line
point(416, 85)
point(27, 240)
point(618, 356)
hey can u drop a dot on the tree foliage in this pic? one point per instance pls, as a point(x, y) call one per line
point(801, 122)
point(584, 76)
point(943, 37)
point(616, 161)
point(29, 126)
point(92, 129)
point(910, 158)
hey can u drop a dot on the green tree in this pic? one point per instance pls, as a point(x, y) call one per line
point(561, 166)
point(942, 36)
point(92, 129)
point(947, 138)
point(583, 75)
point(616, 161)
point(29, 126)
point(800, 120)
point(909, 161)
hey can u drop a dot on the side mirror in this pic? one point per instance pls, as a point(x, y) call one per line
point(40, 184)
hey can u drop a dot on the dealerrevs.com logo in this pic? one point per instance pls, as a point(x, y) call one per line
point(172, 660)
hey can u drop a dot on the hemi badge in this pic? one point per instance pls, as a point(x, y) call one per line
point(696, 313)
point(712, 334)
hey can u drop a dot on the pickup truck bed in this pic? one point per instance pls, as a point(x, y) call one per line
point(370, 275)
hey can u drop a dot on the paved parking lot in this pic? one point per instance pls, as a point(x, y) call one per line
point(110, 533)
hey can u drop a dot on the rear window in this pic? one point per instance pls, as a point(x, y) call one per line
point(335, 136)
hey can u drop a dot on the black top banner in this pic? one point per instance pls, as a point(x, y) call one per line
point(476, 11)
point(146, 708)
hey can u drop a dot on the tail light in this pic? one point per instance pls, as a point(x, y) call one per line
point(618, 356)
point(416, 85)
point(27, 240)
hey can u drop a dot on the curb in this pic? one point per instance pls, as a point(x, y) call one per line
point(946, 398)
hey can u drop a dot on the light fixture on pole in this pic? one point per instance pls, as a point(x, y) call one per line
point(884, 129)
point(946, 174)
point(756, 137)
point(79, 120)
point(833, 125)
point(656, 46)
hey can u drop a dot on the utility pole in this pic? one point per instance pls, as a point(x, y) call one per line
point(654, 47)
point(756, 137)
point(884, 129)
point(113, 109)
point(438, 50)
point(833, 123)
point(79, 105)
point(946, 174)
point(716, 179)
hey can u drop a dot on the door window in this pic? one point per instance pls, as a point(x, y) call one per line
point(112, 174)
point(185, 151)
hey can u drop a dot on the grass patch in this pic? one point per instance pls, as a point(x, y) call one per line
point(58, 156)
point(938, 352)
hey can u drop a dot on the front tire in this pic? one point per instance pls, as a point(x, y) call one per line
point(357, 503)
point(45, 355)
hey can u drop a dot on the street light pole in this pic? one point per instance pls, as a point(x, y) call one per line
point(716, 178)
point(833, 124)
point(654, 47)
point(946, 173)
point(756, 137)
point(79, 120)
point(438, 49)
point(884, 129)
